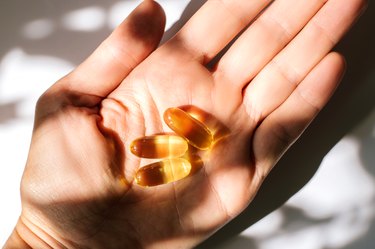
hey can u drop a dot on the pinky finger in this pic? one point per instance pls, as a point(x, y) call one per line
point(283, 126)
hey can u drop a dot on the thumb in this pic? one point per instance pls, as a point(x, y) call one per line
point(129, 44)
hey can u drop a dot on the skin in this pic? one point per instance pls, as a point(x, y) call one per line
point(78, 187)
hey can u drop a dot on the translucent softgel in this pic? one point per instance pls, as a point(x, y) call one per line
point(183, 124)
point(168, 170)
point(159, 146)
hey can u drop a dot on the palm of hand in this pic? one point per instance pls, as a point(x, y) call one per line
point(225, 184)
point(94, 195)
point(88, 199)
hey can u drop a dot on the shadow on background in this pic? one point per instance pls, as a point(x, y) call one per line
point(366, 136)
point(367, 147)
point(69, 45)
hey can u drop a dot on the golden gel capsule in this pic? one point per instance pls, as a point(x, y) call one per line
point(169, 170)
point(159, 146)
point(196, 133)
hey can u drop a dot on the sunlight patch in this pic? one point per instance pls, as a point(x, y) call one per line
point(85, 19)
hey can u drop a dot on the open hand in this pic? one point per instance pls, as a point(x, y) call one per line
point(78, 188)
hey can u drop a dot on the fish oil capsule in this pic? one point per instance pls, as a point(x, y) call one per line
point(166, 171)
point(217, 128)
point(195, 132)
point(159, 146)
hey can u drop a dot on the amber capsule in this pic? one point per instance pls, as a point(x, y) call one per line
point(159, 146)
point(166, 171)
point(195, 132)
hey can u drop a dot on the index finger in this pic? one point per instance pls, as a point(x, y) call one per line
point(215, 24)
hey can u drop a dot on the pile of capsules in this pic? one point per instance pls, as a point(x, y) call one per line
point(175, 150)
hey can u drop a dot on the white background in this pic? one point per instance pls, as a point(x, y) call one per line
point(42, 40)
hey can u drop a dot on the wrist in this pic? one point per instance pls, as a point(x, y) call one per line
point(15, 241)
point(23, 237)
